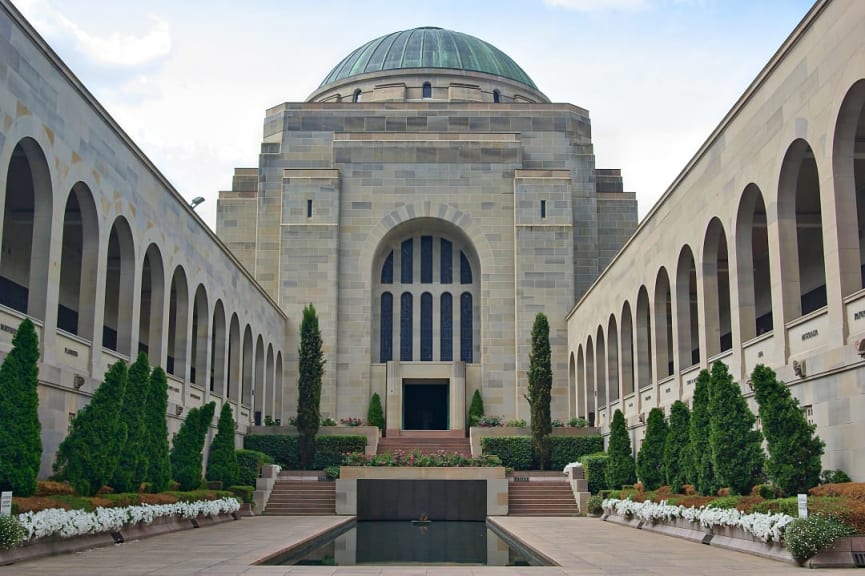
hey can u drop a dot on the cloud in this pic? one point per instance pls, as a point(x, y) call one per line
point(116, 49)
point(598, 5)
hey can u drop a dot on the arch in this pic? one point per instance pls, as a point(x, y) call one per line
point(119, 287)
point(200, 337)
point(687, 309)
point(27, 216)
point(78, 263)
point(752, 270)
point(663, 307)
point(716, 290)
point(612, 360)
point(627, 350)
point(218, 384)
point(234, 383)
point(258, 392)
point(386, 328)
point(497, 96)
point(270, 400)
point(178, 315)
point(644, 340)
point(581, 383)
point(849, 176)
point(601, 368)
point(572, 384)
point(279, 386)
point(426, 90)
point(152, 302)
point(246, 381)
point(803, 270)
point(356, 96)
point(591, 383)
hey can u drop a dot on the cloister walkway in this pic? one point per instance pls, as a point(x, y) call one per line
point(582, 546)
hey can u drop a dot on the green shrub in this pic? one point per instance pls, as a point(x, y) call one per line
point(540, 390)
point(595, 467)
point(331, 472)
point(676, 447)
point(12, 533)
point(595, 505)
point(767, 491)
point(132, 466)
point(620, 469)
point(519, 423)
point(834, 477)
point(188, 446)
point(20, 433)
point(724, 502)
point(578, 422)
point(155, 441)
point(650, 460)
point(310, 371)
point(700, 471)
point(249, 463)
point(567, 449)
point(788, 506)
point(514, 451)
point(222, 463)
point(243, 493)
point(329, 450)
point(476, 410)
point(805, 537)
point(282, 448)
point(375, 413)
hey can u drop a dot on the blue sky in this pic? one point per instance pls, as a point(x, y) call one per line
point(190, 81)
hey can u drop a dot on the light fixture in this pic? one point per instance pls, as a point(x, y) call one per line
point(196, 201)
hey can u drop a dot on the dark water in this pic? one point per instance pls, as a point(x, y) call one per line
point(401, 543)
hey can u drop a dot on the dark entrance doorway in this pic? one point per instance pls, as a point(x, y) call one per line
point(425, 404)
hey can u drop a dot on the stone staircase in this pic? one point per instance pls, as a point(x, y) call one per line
point(301, 497)
point(541, 498)
point(426, 441)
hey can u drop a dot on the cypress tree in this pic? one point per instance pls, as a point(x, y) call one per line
point(89, 455)
point(156, 432)
point(701, 470)
point(540, 389)
point(650, 460)
point(620, 469)
point(737, 454)
point(310, 371)
point(794, 450)
point(375, 413)
point(476, 410)
point(20, 431)
point(188, 445)
point(676, 447)
point(222, 463)
point(132, 467)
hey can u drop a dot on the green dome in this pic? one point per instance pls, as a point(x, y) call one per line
point(428, 47)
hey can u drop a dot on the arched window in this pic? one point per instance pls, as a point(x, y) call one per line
point(356, 96)
point(446, 255)
point(426, 327)
point(446, 328)
point(406, 261)
point(497, 96)
point(427, 90)
point(387, 270)
point(465, 269)
point(426, 259)
point(466, 340)
point(405, 327)
point(386, 330)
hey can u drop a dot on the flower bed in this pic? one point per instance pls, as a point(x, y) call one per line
point(439, 459)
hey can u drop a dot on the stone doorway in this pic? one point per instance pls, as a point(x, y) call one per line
point(426, 404)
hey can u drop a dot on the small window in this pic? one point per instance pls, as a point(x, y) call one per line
point(427, 90)
point(356, 96)
point(543, 208)
point(309, 208)
point(497, 96)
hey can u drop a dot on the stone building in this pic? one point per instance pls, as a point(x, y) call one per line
point(108, 259)
point(755, 254)
point(429, 200)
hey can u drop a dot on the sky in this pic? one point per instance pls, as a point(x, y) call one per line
point(190, 81)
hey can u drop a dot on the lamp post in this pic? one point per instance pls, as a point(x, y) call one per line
point(196, 201)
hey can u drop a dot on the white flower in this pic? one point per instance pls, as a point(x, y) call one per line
point(766, 527)
point(69, 523)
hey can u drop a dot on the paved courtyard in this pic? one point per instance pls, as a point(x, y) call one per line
point(581, 546)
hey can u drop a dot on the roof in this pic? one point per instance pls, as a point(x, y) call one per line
point(428, 47)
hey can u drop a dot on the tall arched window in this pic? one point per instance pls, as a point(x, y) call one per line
point(446, 271)
point(386, 330)
point(405, 327)
point(497, 96)
point(446, 330)
point(465, 269)
point(387, 270)
point(356, 96)
point(426, 327)
point(427, 90)
point(466, 341)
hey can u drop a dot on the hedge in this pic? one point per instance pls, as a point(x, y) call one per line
point(249, 463)
point(516, 451)
point(594, 466)
point(284, 448)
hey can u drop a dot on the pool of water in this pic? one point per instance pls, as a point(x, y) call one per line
point(404, 543)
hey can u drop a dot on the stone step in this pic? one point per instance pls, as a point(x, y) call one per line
point(548, 498)
point(301, 498)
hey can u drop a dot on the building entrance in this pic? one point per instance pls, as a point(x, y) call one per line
point(425, 404)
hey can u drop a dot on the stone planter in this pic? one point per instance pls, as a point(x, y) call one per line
point(842, 554)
